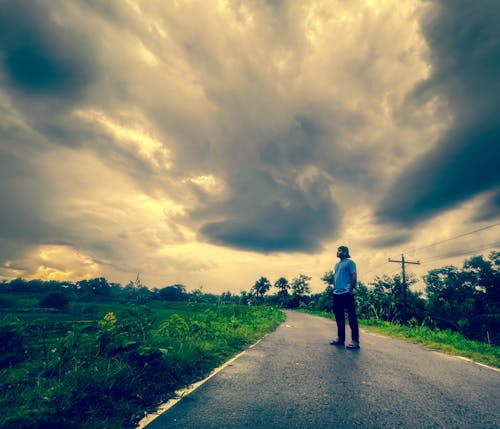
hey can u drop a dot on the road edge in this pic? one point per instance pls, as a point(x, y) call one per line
point(181, 393)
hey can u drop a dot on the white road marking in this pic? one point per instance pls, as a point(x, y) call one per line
point(179, 394)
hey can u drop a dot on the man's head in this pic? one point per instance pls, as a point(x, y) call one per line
point(343, 252)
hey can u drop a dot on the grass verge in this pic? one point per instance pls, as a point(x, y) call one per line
point(445, 341)
point(104, 366)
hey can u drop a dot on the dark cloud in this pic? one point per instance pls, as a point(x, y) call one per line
point(445, 177)
point(464, 39)
point(268, 210)
point(267, 216)
point(112, 9)
point(316, 138)
point(40, 57)
point(298, 146)
point(25, 215)
point(391, 238)
point(490, 209)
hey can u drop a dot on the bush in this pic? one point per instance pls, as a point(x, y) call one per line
point(6, 302)
point(54, 300)
point(11, 346)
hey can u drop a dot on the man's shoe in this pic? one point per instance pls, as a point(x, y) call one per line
point(337, 342)
point(352, 345)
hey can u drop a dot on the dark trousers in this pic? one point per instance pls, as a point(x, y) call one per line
point(341, 303)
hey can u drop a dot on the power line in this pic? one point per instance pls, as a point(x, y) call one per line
point(461, 252)
point(466, 252)
point(458, 236)
point(376, 268)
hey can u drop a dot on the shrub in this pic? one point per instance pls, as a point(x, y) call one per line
point(12, 349)
point(54, 300)
point(6, 302)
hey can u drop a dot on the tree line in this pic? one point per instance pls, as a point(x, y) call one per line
point(464, 299)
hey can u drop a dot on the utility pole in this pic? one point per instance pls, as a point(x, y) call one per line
point(403, 262)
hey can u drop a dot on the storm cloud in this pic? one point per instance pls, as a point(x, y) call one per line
point(41, 57)
point(271, 216)
point(464, 38)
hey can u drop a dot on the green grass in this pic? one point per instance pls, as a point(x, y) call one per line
point(104, 364)
point(443, 340)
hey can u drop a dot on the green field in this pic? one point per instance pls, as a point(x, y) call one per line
point(103, 365)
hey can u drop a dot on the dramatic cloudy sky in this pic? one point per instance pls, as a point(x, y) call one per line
point(212, 142)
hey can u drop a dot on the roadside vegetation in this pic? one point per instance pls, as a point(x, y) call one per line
point(98, 364)
point(444, 340)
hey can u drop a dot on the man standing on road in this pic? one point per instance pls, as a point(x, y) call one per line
point(344, 282)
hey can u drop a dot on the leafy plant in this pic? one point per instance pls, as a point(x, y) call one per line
point(12, 350)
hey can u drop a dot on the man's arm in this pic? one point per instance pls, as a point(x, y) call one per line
point(354, 281)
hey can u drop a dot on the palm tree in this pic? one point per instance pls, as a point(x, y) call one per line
point(283, 286)
point(260, 287)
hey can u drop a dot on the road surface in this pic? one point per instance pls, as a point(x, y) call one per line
point(294, 379)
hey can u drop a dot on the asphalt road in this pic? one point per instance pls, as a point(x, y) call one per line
point(294, 379)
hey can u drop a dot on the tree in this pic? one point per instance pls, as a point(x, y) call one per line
point(300, 285)
point(12, 349)
point(283, 286)
point(484, 276)
point(362, 301)
point(196, 295)
point(244, 297)
point(260, 288)
point(468, 299)
point(301, 290)
point(450, 299)
point(385, 299)
point(328, 278)
point(326, 300)
point(176, 292)
point(97, 287)
point(226, 297)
